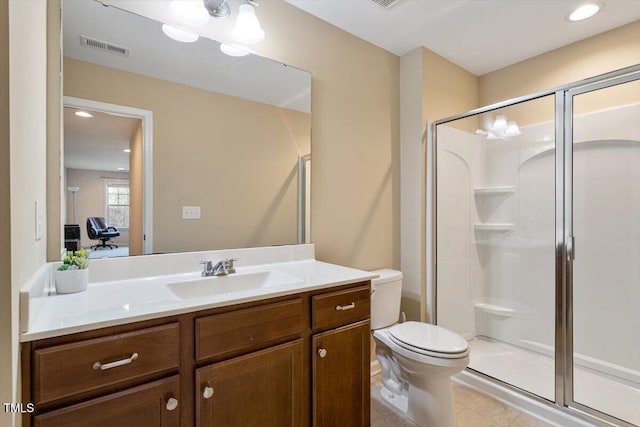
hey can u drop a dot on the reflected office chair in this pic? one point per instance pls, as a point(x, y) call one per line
point(97, 229)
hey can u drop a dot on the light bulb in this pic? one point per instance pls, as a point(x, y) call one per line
point(83, 114)
point(179, 34)
point(512, 129)
point(190, 12)
point(247, 28)
point(500, 123)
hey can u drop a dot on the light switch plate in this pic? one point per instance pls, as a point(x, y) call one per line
point(191, 212)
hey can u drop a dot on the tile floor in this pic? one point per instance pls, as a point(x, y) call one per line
point(473, 409)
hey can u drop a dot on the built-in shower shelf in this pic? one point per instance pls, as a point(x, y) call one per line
point(490, 191)
point(496, 310)
point(496, 226)
point(513, 244)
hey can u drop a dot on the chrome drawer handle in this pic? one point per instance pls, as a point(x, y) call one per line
point(346, 307)
point(172, 404)
point(103, 367)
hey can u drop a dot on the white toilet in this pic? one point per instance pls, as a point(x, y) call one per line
point(417, 359)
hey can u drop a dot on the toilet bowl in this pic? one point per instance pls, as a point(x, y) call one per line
point(416, 359)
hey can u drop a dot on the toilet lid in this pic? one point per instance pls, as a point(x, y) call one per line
point(429, 337)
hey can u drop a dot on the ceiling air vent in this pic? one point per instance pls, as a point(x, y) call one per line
point(385, 4)
point(104, 46)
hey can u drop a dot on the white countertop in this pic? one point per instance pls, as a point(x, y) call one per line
point(119, 302)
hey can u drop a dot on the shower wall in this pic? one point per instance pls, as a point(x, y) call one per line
point(496, 238)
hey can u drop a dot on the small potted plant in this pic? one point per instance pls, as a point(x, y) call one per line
point(73, 275)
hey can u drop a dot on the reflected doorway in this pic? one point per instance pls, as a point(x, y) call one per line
point(105, 179)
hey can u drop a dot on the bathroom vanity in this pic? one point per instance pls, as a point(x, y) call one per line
point(291, 355)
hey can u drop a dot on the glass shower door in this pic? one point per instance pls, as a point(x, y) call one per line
point(495, 263)
point(605, 305)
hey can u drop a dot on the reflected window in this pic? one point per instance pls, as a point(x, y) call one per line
point(117, 195)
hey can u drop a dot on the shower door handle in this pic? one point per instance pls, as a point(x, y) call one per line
point(571, 248)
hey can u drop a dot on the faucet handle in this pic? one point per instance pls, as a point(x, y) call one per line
point(208, 266)
point(228, 263)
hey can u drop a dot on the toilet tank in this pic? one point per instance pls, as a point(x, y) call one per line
point(385, 298)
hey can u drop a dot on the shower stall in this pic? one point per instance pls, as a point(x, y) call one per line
point(536, 242)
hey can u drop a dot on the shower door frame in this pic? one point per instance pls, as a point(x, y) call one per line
point(564, 240)
point(569, 257)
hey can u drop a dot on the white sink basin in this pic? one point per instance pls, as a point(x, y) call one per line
point(238, 282)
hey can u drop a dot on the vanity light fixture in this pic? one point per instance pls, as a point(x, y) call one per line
point(247, 29)
point(83, 114)
point(500, 129)
point(179, 34)
point(583, 12)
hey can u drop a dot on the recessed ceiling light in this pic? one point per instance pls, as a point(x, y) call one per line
point(585, 11)
point(127, 150)
point(83, 114)
point(179, 34)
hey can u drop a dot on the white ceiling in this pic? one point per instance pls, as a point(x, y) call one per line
point(479, 35)
point(96, 143)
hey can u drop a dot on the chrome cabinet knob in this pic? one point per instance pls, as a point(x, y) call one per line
point(322, 352)
point(207, 392)
point(172, 404)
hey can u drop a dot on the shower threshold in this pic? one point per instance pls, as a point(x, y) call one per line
point(534, 372)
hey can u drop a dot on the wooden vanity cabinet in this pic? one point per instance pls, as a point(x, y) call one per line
point(341, 358)
point(295, 360)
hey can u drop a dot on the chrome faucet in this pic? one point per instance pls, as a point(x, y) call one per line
point(221, 268)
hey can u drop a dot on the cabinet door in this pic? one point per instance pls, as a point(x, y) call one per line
point(341, 383)
point(259, 389)
point(153, 404)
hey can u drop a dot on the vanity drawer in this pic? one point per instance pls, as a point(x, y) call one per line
point(248, 329)
point(65, 370)
point(341, 307)
point(153, 404)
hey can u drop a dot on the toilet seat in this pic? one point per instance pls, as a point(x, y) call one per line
point(429, 340)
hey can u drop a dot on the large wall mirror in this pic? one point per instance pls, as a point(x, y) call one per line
point(178, 146)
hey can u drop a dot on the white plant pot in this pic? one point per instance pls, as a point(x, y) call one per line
point(71, 281)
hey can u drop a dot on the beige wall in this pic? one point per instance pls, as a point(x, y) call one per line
point(596, 55)
point(432, 88)
point(90, 200)
point(7, 315)
point(355, 186)
point(135, 190)
point(234, 158)
point(448, 89)
point(27, 141)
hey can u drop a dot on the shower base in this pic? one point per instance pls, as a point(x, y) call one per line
point(534, 372)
